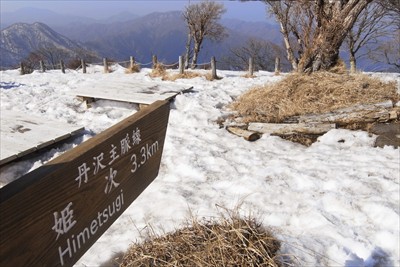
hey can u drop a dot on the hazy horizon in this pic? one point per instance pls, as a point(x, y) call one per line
point(97, 9)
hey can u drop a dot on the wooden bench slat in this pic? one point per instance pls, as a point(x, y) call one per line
point(22, 134)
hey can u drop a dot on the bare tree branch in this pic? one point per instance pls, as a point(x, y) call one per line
point(202, 21)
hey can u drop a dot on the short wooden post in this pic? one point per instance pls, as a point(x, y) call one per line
point(277, 65)
point(43, 69)
point(155, 61)
point(62, 66)
point(83, 64)
point(181, 65)
point(22, 68)
point(251, 67)
point(105, 63)
point(213, 68)
point(132, 60)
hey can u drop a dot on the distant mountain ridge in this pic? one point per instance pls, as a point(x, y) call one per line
point(53, 19)
point(20, 39)
point(161, 34)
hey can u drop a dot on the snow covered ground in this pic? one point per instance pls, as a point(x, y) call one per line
point(332, 204)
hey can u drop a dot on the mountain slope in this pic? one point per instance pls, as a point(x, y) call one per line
point(165, 35)
point(20, 39)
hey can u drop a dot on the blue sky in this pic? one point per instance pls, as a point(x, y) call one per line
point(250, 11)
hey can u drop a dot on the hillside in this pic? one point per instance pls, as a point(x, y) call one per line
point(120, 37)
point(20, 39)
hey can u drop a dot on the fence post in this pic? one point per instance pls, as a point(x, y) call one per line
point(42, 66)
point(62, 66)
point(83, 64)
point(181, 65)
point(155, 61)
point(105, 63)
point(251, 67)
point(213, 68)
point(277, 65)
point(132, 60)
point(22, 68)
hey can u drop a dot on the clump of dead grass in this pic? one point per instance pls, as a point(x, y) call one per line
point(185, 75)
point(228, 242)
point(319, 92)
point(158, 71)
point(135, 68)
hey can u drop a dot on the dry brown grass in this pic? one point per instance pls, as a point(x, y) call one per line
point(229, 242)
point(185, 75)
point(158, 71)
point(299, 94)
point(133, 69)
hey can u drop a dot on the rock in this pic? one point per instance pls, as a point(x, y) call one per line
point(388, 134)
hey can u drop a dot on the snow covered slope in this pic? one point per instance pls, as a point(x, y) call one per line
point(332, 204)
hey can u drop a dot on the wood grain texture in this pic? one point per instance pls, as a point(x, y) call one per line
point(31, 206)
point(22, 134)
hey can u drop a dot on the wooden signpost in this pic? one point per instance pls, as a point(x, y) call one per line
point(53, 215)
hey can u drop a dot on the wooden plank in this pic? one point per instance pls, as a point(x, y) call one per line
point(286, 129)
point(52, 216)
point(247, 135)
point(138, 93)
point(21, 134)
point(116, 95)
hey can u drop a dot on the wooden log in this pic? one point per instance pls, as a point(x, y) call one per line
point(359, 113)
point(287, 128)
point(247, 135)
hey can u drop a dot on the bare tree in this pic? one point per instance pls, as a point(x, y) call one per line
point(393, 10)
point(388, 51)
point(202, 21)
point(318, 27)
point(31, 62)
point(263, 53)
point(369, 28)
point(52, 55)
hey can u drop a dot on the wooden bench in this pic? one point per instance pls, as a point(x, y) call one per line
point(143, 94)
point(22, 134)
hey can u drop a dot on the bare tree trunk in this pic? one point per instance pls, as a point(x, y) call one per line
point(187, 55)
point(319, 27)
point(289, 51)
point(353, 63)
point(195, 54)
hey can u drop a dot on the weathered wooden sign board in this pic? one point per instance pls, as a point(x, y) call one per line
point(53, 215)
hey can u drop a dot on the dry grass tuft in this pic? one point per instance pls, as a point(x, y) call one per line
point(210, 78)
point(133, 69)
point(319, 92)
point(158, 71)
point(230, 242)
point(339, 68)
point(247, 75)
point(185, 75)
